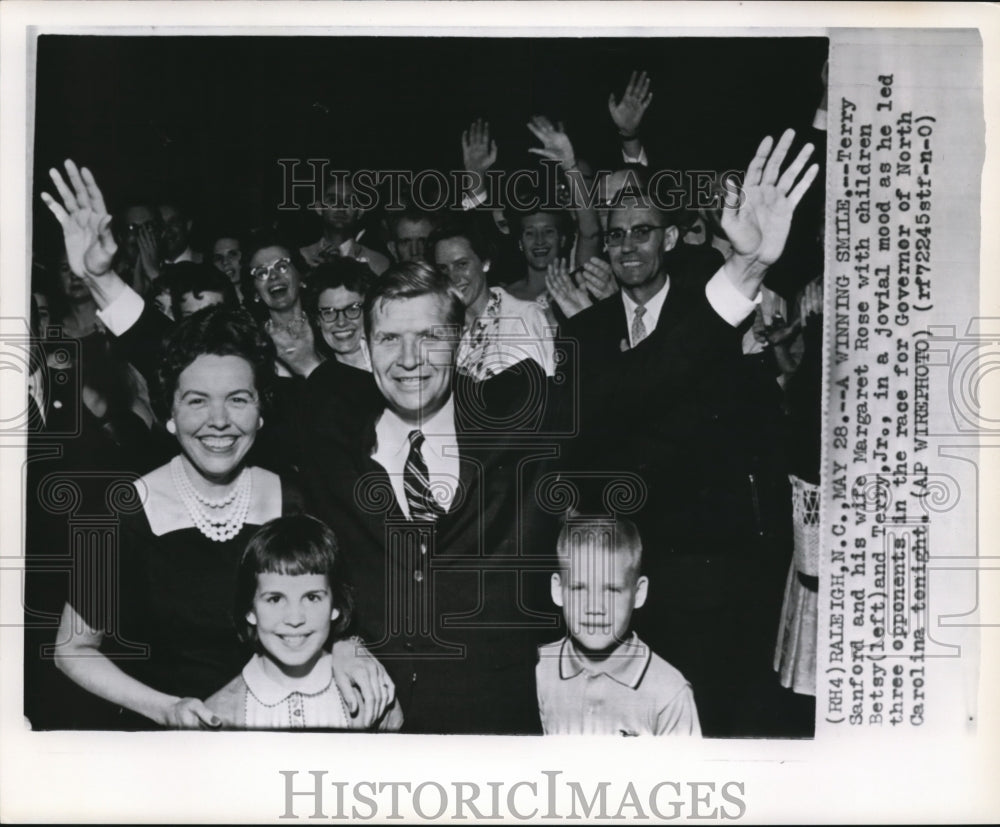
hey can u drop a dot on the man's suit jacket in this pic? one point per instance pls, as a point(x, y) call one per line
point(682, 410)
point(453, 608)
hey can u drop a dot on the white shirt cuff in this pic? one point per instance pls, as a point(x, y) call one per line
point(819, 120)
point(640, 159)
point(727, 301)
point(472, 200)
point(123, 312)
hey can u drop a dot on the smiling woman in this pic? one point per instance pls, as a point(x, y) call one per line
point(274, 278)
point(178, 555)
point(333, 301)
point(151, 631)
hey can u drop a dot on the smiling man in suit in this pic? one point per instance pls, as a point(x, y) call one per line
point(663, 394)
point(430, 499)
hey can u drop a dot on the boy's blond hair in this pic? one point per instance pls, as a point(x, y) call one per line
point(611, 535)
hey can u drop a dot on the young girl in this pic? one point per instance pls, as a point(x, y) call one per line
point(291, 604)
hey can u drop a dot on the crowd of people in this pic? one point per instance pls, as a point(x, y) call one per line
point(420, 472)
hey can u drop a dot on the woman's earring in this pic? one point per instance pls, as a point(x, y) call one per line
point(260, 422)
point(171, 427)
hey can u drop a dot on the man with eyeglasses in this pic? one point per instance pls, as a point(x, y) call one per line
point(662, 395)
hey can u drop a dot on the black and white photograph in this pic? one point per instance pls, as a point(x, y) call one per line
point(557, 385)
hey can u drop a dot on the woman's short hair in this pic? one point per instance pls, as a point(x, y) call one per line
point(195, 278)
point(219, 331)
point(563, 221)
point(408, 280)
point(216, 232)
point(348, 273)
point(467, 227)
point(292, 545)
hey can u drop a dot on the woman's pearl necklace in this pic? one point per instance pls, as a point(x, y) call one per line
point(220, 519)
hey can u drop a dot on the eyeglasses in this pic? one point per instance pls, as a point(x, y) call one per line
point(640, 234)
point(331, 314)
point(265, 271)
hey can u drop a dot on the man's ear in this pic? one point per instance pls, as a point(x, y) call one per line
point(670, 238)
point(556, 588)
point(251, 618)
point(641, 590)
point(392, 249)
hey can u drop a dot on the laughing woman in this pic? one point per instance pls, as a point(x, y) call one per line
point(273, 276)
point(161, 637)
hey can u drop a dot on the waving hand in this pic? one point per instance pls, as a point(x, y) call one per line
point(85, 221)
point(627, 113)
point(757, 218)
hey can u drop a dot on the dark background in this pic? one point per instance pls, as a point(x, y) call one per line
point(204, 119)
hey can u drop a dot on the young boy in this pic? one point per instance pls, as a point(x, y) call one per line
point(600, 679)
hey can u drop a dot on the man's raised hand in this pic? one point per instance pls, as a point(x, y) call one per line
point(556, 145)
point(84, 220)
point(627, 113)
point(479, 153)
point(756, 218)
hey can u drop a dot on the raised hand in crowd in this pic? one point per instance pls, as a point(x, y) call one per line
point(556, 145)
point(756, 218)
point(627, 113)
point(479, 152)
point(597, 276)
point(570, 296)
point(86, 226)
